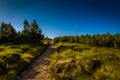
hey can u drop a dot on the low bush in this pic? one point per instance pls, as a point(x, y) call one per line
point(91, 63)
point(13, 58)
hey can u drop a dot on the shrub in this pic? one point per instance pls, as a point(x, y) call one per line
point(3, 68)
point(12, 58)
point(27, 57)
point(92, 63)
point(66, 69)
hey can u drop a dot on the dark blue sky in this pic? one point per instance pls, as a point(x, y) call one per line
point(59, 17)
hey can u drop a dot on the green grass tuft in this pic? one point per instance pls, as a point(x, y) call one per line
point(89, 63)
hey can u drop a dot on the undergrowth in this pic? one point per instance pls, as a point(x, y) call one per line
point(14, 57)
point(87, 63)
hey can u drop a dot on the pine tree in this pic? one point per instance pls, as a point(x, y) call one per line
point(7, 33)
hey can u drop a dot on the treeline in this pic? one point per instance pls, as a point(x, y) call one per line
point(31, 33)
point(99, 40)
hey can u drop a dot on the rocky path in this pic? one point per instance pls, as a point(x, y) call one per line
point(39, 69)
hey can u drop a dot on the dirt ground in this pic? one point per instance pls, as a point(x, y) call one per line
point(39, 69)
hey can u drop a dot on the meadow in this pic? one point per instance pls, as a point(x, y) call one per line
point(14, 58)
point(74, 61)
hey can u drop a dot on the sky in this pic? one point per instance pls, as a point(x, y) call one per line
point(64, 17)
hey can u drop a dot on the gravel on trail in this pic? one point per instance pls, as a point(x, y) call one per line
point(39, 68)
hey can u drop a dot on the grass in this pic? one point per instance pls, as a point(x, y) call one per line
point(15, 57)
point(88, 63)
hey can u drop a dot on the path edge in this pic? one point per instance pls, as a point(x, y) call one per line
point(27, 65)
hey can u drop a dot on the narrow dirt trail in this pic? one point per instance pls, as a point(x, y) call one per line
point(39, 69)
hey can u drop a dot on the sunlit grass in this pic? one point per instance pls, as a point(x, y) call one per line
point(27, 57)
point(90, 63)
point(14, 57)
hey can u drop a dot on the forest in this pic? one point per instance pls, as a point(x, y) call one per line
point(31, 33)
point(19, 48)
point(98, 40)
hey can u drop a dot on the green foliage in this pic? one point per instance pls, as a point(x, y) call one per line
point(103, 40)
point(15, 57)
point(7, 33)
point(11, 58)
point(27, 57)
point(30, 34)
point(2, 67)
point(18, 49)
point(66, 70)
point(87, 63)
